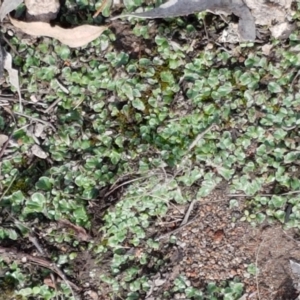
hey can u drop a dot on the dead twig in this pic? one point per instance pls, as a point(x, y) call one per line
point(199, 137)
point(294, 79)
point(13, 99)
point(52, 105)
point(35, 119)
point(14, 50)
point(10, 136)
point(80, 232)
point(192, 146)
point(256, 265)
point(187, 223)
point(174, 231)
point(124, 183)
point(168, 223)
point(100, 9)
point(188, 213)
point(5, 146)
point(265, 195)
point(291, 238)
point(37, 245)
point(13, 254)
point(10, 184)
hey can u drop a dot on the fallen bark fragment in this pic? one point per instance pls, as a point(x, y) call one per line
point(42, 10)
point(176, 8)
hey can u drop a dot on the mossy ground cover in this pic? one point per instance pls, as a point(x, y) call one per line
point(121, 146)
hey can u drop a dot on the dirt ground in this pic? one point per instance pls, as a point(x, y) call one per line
point(213, 247)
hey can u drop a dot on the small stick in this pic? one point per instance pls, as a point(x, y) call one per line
point(10, 184)
point(5, 146)
point(35, 242)
point(10, 136)
point(256, 264)
point(199, 137)
point(124, 183)
point(35, 119)
point(191, 221)
point(52, 105)
point(37, 245)
point(187, 215)
point(100, 9)
point(265, 195)
point(175, 230)
point(9, 98)
point(11, 46)
point(295, 78)
point(14, 254)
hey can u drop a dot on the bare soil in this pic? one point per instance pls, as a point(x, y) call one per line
point(214, 248)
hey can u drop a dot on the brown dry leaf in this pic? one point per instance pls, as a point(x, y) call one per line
point(218, 236)
point(73, 37)
point(49, 282)
point(81, 233)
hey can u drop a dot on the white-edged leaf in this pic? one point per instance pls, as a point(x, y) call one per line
point(138, 104)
